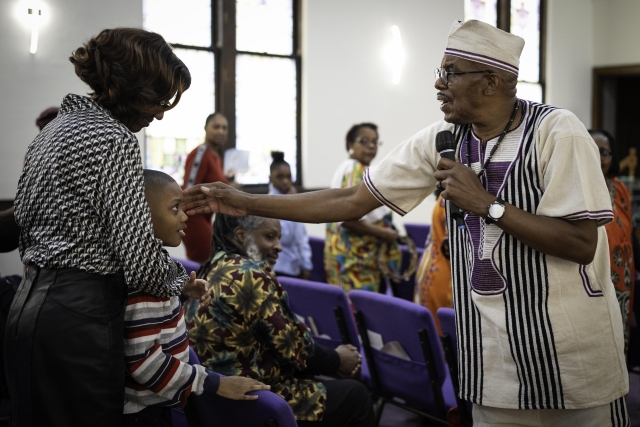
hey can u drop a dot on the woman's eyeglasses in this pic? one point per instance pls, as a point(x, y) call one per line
point(367, 141)
point(604, 152)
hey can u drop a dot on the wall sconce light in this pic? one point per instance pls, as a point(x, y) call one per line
point(35, 15)
point(394, 55)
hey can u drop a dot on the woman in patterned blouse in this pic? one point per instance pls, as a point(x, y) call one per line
point(620, 230)
point(248, 329)
point(86, 234)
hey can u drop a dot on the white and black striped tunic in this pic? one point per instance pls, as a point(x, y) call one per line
point(534, 331)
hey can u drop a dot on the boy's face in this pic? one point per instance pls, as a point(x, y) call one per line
point(167, 214)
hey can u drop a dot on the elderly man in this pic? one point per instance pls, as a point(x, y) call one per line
point(540, 332)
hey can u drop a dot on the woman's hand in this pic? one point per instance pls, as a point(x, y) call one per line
point(305, 274)
point(215, 198)
point(389, 235)
point(350, 360)
point(198, 289)
point(236, 388)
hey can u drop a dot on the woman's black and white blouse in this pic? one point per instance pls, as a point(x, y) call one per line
point(81, 202)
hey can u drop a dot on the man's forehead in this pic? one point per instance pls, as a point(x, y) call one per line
point(449, 61)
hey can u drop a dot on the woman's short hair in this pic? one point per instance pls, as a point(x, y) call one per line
point(131, 71)
point(211, 116)
point(614, 169)
point(355, 129)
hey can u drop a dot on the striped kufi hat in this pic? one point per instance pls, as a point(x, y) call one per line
point(480, 42)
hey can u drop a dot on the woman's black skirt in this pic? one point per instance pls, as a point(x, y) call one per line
point(64, 350)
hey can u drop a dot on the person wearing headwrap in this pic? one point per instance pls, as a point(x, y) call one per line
point(46, 116)
point(540, 332)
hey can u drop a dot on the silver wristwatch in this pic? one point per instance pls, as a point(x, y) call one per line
point(496, 210)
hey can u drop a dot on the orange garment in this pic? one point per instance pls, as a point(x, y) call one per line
point(619, 235)
point(434, 273)
point(197, 239)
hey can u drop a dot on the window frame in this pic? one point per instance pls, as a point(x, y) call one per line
point(223, 47)
point(504, 23)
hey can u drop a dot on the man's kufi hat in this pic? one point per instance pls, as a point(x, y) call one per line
point(480, 42)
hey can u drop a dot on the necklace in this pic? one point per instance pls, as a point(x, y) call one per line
point(495, 147)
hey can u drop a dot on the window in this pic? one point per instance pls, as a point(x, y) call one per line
point(524, 18)
point(244, 60)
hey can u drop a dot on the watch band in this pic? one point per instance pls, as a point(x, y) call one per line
point(489, 219)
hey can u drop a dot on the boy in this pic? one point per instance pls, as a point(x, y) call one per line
point(156, 345)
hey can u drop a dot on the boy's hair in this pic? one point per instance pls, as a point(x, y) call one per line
point(155, 181)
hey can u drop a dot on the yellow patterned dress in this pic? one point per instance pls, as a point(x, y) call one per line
point(350, 258)
point(249, 330)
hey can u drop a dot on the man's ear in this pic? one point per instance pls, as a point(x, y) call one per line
point(241, 235)
point(492, 83)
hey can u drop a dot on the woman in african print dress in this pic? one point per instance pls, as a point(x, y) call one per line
point(248, 329)
point(620, 230)
point(352, 248)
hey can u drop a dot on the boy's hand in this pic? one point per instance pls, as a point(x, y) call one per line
point(236, 388)
point(198, 289)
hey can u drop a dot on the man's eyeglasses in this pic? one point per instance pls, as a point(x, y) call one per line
point(604, 152)
point(444, 75)
point(367, 141)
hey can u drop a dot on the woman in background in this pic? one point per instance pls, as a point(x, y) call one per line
point(620, 230)
point(352, 247)
point(433, 279)
point(295, 259)
point(204, 164)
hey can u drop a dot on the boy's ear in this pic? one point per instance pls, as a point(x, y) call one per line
point(241, 235)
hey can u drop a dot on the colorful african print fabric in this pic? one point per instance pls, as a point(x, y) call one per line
point(433, 279)
point(619, 233)
point(248, 329)
point(351, 259)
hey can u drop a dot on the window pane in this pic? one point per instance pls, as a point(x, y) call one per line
point(265, 113)
point(264, 26)
point(530, 91)
point(482, 10)
point(169, 140)
point(525, 22)
point(187, 22)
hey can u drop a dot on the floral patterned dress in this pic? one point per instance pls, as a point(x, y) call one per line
point(248, 329)
point(619, 234)
point(350, 258)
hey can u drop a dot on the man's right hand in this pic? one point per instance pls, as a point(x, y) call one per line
point(389, 235)
point(236, 388)
point(215, 198)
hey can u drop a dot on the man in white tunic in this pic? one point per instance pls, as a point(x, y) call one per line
point(540, 331)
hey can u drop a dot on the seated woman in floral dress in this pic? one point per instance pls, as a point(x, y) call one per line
point(248, 329)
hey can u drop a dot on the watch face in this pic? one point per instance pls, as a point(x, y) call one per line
point(496, 211)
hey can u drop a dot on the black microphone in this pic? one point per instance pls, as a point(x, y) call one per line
point(446, 146)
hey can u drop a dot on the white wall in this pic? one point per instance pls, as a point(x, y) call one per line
point(616, 32)
point(570, 56)
point(31, 83)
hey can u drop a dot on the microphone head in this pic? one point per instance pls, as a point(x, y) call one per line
point(445, 141)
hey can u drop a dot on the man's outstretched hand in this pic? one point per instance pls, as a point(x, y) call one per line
point(215, 198)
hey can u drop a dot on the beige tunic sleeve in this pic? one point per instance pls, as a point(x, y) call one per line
point(574, 186)
point(405, 178)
